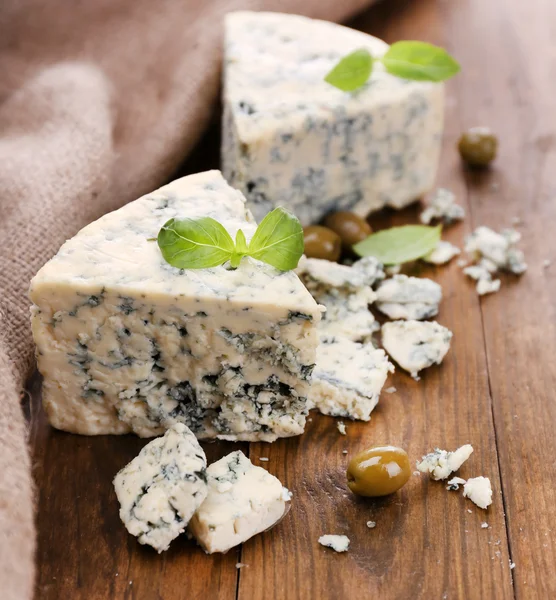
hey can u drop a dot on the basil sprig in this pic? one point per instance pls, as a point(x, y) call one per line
point(398, 245)
point(204, 242)
point(418, 61)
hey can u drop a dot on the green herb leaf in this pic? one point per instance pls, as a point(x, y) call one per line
point(195, 243)
point(278, 240)
point(419, 61)
point(240, 250)
point(400, 244)
point(352, 71)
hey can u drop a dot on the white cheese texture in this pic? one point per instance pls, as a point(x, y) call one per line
point(443, 253)
point(440, 464)
point(454, 483)
point(479, 491)
point(128, 343)
point(161, 488)
point(412, 298)
point(492, 252)
point(442, 207)
point(348, 378)
point(416, 345)
point(345, 292)
point(291, 139)
point(242, 500)
point(338, 543)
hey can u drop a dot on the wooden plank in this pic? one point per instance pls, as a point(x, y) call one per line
point(84, 552)
point(426, 543)
point(511, 89)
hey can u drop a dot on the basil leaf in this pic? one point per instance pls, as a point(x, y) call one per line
point(419, 61)
point(240, 249)
point(400, 244)
point(352, 71)
point(195, 243)
point(278, 240)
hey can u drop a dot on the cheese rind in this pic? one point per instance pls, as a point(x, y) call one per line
point(416, 345)
point(126, 342)
point(289, 138)
point(348, 378)
point(242, 500)
point(161, 488)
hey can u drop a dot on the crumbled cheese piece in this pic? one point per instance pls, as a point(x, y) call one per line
point(161, 488)
point(263, 459)
point(416, 345)
point(411, 298)
point(443, 253)
point(344, 451)
point(440, 464)
point(391, 390)
point(371, 524)
point(242, 500)
point(442, 207)
point(338, 543)
point(341, 427)
point(392, 270)
point(454, 483)
point(484, 525)
point(512, 565)
point(498, 248)
point(482, 274)
point(345, 292)
point(479, 491)
point(348, 378)
point(289, 138)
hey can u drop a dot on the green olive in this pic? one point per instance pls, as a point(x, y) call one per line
point(478, 146)
point(378, 471)
point(321, 242)
point(350, 227)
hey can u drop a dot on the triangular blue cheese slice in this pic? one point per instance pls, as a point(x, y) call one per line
point(126, 342)
point(291, 139)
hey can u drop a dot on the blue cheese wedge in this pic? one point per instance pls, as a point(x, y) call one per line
point(242, 500)
point(289, 138)
point(348, 378)
point(442, 207)
point(442, 254)
point(127, 343)
point(479, 491)
point(338, 543)
point(412, 298)
point(345, 292)
point(162, 487)
point(416, 345)
point(440, 464)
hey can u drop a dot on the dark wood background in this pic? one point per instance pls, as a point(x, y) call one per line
point(496, 389)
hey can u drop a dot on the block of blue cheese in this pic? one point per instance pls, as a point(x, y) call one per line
point(128, 343)
point(291, 139)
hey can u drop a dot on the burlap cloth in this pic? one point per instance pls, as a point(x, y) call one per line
point(100, 100)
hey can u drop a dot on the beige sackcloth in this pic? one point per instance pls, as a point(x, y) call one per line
point(100, 101)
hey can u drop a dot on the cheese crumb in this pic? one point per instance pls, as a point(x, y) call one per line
point(484, 525)
point(479, 491)
point(341, 427)
point(344, 451)
point(454, 483)
point(440, 464)
point(241, 565)
point(263, 459)
point(338, 543)
point(371, 524)
point(512, 565)
point(391, 390)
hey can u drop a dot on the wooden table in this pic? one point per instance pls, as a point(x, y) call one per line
point(495, 390)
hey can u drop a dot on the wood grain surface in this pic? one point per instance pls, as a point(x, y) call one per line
point(495, 390)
